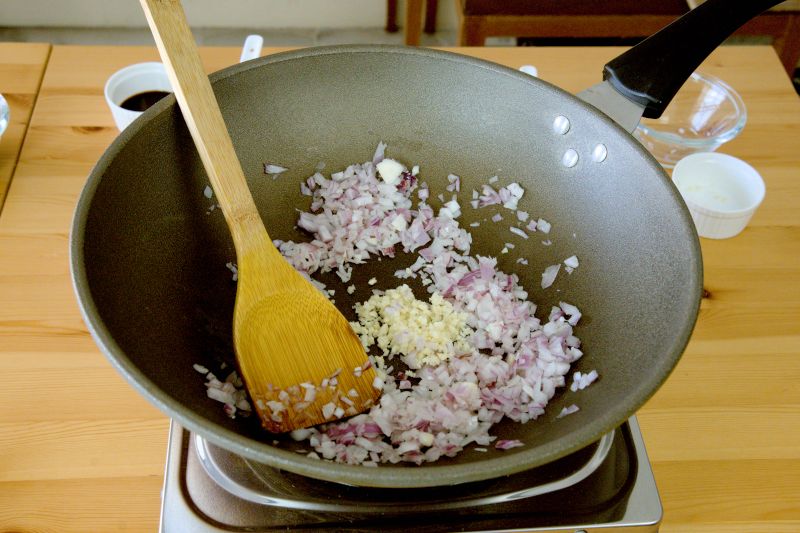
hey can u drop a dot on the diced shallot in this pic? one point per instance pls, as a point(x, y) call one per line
point(543, 225)
point(507, 444)
point(517, 231)
point(269, 168)
point(571, 311)
point(514, 362)
point(568, 411)
point(379, 153)
point(581, 381)
point(549, 275)
point(455, 183)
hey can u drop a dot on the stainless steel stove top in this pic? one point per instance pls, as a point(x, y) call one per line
point(608, 486)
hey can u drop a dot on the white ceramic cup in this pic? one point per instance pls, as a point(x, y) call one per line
point(129, 81)
point(721, 192)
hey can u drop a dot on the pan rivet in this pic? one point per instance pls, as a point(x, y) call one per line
point(561, 125)
point(599, 153)
point(570, 158)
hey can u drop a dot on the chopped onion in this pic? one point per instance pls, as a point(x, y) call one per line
point(455, 183)
point(514, 362)
point(234, 269)
point(507, 444)
point(549, 275)
point(274, 169)
point(571, 311)
point(515, 192)
point(581, 381)
point(568, 411)
point(379, 151)
point(517, 231)
point(543, 225)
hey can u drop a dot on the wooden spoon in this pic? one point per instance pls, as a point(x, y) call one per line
point(300, 360)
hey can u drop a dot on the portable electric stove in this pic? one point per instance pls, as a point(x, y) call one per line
point(605, 487)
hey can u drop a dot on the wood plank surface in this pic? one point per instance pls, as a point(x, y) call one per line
point(88, 455)
point(80, 450)
point(21, 68)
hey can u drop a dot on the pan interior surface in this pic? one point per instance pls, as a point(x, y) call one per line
point(149, 254)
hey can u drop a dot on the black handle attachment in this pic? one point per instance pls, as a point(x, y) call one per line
point(652, 72)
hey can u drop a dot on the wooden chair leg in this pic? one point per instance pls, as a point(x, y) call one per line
point(413, 22)
point(430, 16)
point(470, 32)
point(391, 16)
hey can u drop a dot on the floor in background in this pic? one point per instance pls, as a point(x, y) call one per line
point(222, 36)
point(286, 37)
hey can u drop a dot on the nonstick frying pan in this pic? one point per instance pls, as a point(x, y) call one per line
point(149, 262)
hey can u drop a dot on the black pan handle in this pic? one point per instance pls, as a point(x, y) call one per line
point(652, 72)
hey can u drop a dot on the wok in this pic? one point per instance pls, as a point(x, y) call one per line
point(149, 262)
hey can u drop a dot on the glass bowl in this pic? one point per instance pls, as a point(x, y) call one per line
point(705, 113)
point(3, 115)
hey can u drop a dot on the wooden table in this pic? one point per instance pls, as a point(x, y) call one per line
point(21, 69)
point(81, 451)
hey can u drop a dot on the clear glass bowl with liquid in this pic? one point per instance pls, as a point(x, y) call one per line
point(706, 113)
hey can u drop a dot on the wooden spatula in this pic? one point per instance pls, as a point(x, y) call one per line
point(300, 360)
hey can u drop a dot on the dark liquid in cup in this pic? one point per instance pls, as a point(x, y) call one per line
point(142, 101)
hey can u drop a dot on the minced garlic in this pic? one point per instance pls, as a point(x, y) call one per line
point(421, 333)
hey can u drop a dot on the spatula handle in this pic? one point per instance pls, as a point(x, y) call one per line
point(202, 115)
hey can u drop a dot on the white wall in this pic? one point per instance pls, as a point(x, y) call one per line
point(214, 13)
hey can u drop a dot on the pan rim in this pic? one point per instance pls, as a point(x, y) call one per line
point(387, 476)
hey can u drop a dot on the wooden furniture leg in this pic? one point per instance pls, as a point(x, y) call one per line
point(469, 28)
point(413, 22)
point(391, 16)
point(430, 16)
